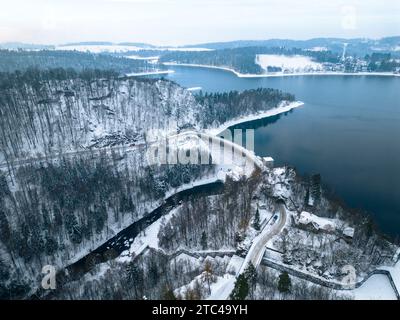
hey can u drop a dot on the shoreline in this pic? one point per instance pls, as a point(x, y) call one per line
point(282, 108)
point(149, 73)
point(281, 75)
point(194, 89)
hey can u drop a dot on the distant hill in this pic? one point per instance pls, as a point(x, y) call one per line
point(105, 43)
point(87, 43)
point(51, 59)
point(25, 46)
point(137, 44)
point(358, 46)
point(355, 46)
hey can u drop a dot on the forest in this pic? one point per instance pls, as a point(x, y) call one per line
point(50, 212)
point(243, 59)
point(35, 77)
point(221, 107)
point(382, 62)
point(40, 117)
point(11, 60)
point(63, 193)
point(61, 204)
point(194, 252)
point(196, 225)
point(59, 110)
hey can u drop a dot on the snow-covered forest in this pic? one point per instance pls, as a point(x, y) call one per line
point(11, 60)
point(191, 256)
point(74, 175)
point(59, 111)
point(62, 194)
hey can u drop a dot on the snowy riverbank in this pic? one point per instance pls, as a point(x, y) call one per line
point(280, 74)
point(149, 73)
point(282, 108)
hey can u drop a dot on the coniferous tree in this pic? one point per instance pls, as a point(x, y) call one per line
point(251, 273)
point(168, 294)
point(135, 278)
point(203, 240)
point(251, 276)
point(284, 283)
point(5, 230)
point(256, 223)
point(241, 289)
point(316, 187)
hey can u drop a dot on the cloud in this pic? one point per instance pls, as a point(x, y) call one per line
point(192, 21)
point(349, 18)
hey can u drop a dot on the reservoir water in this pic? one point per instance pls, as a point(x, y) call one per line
point(348, 131)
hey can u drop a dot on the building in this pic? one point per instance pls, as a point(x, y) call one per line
point(268, 162)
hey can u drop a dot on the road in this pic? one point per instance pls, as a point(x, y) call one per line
point(258, 247)
point(254, 255)
point(205, 137)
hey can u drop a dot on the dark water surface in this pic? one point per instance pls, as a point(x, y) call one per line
point(348, 131)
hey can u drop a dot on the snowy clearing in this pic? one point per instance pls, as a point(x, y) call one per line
point(234, 265)
point(317, 222)
point(377, 287)
point(318, 49)
point(288, 63)
point(134, 57)
point(121, 49)
point(148, 238)
point(99, 48)
point(395, 273)
point(221, 289)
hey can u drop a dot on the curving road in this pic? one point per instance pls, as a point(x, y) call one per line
point(254, 255)
point(254, 160)
point(258, 247)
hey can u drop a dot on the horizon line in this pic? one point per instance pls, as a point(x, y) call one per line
point(103, 42)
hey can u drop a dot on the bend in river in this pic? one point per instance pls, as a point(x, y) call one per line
point(348, 131)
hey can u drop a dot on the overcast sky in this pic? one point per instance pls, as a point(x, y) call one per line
point(176, 22)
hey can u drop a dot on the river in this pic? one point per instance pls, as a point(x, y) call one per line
point(348, 131)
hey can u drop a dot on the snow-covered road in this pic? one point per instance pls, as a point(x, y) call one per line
point(254, 255)
point(258, 247)
point(236, 149)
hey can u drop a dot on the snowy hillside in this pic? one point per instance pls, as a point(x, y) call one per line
point(40, 118)
point(72, 115)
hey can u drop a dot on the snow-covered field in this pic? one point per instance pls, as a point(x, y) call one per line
point(377, 287)
point(395, 273)
point(98, 48)
point(318, 49)
point(291, 64)
point(121, 49)
point(222, 288)
point(152, 59)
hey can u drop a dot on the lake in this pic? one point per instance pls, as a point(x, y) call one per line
point(348, 131)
